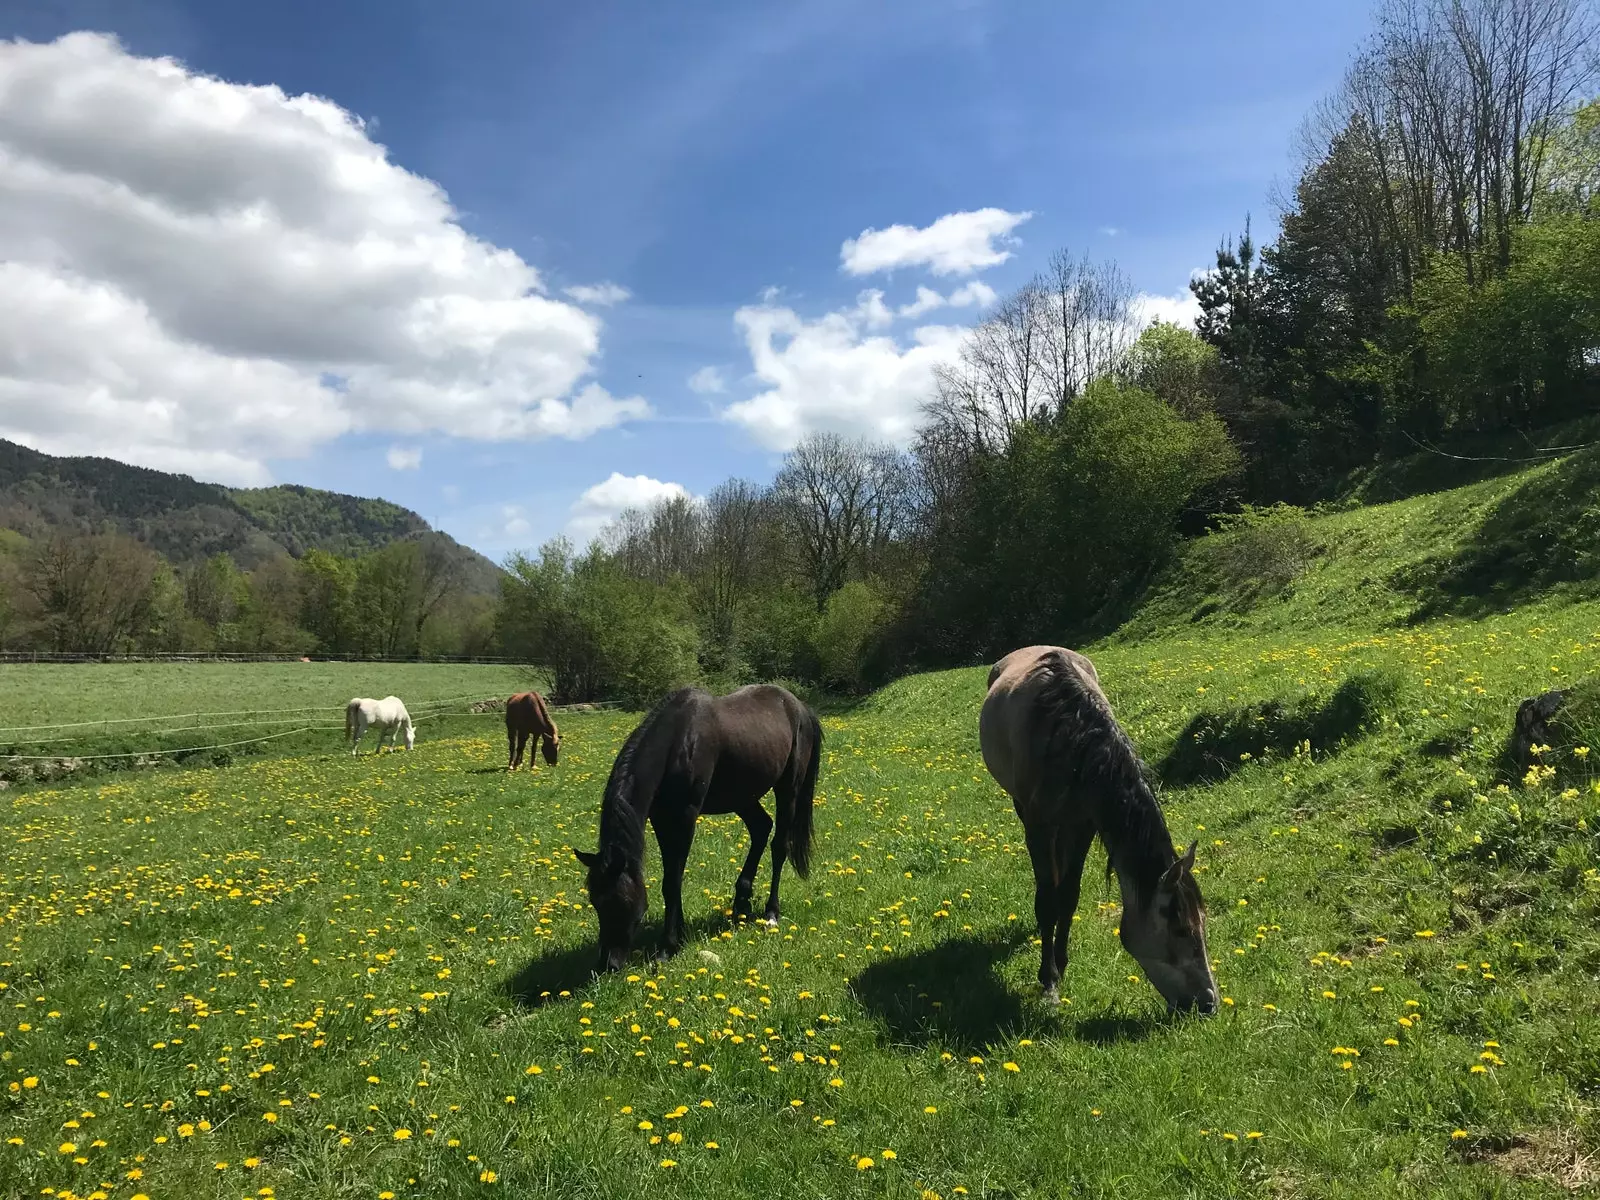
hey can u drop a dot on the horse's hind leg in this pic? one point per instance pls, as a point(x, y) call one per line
point(783, 794)
point(760, 826)
point(1072, 849)
point(1046, 889)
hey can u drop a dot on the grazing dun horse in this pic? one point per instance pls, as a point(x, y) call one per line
point(388, 716)
point(526, 716)
point(1050, 741)
point(697, 753)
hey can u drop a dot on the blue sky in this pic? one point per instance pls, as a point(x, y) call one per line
point(699, 154)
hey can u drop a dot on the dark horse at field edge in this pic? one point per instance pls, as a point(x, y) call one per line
point(526, 716)
point(697, 753)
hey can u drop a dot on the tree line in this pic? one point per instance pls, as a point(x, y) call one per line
point(1436, 274)
point(107, 592)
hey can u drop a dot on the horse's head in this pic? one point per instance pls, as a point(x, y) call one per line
point(617, 891)
point(550, 745)
point(411, 735)
point(1167, 934)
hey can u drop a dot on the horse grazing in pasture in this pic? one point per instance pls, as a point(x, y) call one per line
point(1050, 741)
point(388, 715)
point(697, 753)
point(526, 716)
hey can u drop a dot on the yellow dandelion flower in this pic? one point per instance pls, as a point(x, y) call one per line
point(864, 1164)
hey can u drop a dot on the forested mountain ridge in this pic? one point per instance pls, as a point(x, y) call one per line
point(188, 521)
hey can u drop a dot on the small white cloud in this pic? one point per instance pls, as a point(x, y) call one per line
point(1111, 231)
point(514, 523)
point(708, 381)
point(927, 300)
point(956, 244)
point(606, 500)
point(404, 458)
point(835, 374)
point(976, 294)
point(599, 293)
point(872, 311)
point(1180, 309)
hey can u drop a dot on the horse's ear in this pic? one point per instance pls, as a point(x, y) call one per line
point(1182, 867)
point(586, 858)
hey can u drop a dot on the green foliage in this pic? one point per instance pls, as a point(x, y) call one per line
point(1260, 551)
point(602, 634)
point(1524, 345)
point(856, 614)
point(1176, 366)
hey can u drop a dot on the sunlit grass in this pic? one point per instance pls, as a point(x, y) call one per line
point(336, 978)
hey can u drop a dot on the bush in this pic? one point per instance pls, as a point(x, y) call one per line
point(1262, 549)
point(856, 614)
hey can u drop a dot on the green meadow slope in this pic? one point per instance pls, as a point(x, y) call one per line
point(336, 978)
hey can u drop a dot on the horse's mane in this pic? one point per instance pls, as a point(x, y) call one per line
point(1088, 753)
point(639, 766)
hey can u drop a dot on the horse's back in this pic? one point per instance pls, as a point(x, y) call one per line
point(526, 710)
point(1010, 723)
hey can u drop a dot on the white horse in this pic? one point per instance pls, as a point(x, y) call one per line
point(388, 715)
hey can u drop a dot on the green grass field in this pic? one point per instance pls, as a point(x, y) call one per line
point(50, 710)
point(314, 976)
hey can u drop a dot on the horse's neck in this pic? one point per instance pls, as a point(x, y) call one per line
point(1138, 846)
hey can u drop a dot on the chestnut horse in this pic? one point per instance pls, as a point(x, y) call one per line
point(697, 753)
point(1050, 741)
point(526, 716)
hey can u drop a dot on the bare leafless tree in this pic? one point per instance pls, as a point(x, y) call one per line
point(1456, 97)
point(733, 515)
point(840, 501)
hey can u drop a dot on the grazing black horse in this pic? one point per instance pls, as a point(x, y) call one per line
point(697, 753)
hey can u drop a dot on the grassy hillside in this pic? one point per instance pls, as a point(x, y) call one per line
point(335, 978)
point(187, 520)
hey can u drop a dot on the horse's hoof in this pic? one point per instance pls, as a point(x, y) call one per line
point(1052, 996)
point(770, 921)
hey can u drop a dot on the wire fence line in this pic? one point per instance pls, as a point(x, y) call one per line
point(155, 753)
point(430, 711)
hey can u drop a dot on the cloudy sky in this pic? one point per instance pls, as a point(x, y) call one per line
point(519, 266)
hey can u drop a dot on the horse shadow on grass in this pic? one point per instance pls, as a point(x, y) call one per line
point(565, 972)
point(954, 995)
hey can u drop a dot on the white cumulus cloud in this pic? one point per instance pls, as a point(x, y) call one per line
point(200, 275)
point(708, 381)
point(1180, 309)
point(837, 373)
point(599, 293)
point(976, 294)
point(606, 500)
point(405, 458)
point(956, 244)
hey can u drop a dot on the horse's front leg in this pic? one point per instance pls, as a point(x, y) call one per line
point(760, 826)
point(674, 837)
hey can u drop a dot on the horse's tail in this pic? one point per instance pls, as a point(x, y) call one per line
point(350, 720)
point(804, 794)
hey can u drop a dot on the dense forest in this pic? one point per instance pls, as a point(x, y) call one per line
point(1434, 284)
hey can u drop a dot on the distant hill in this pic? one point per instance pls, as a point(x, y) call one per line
point(186, 520)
